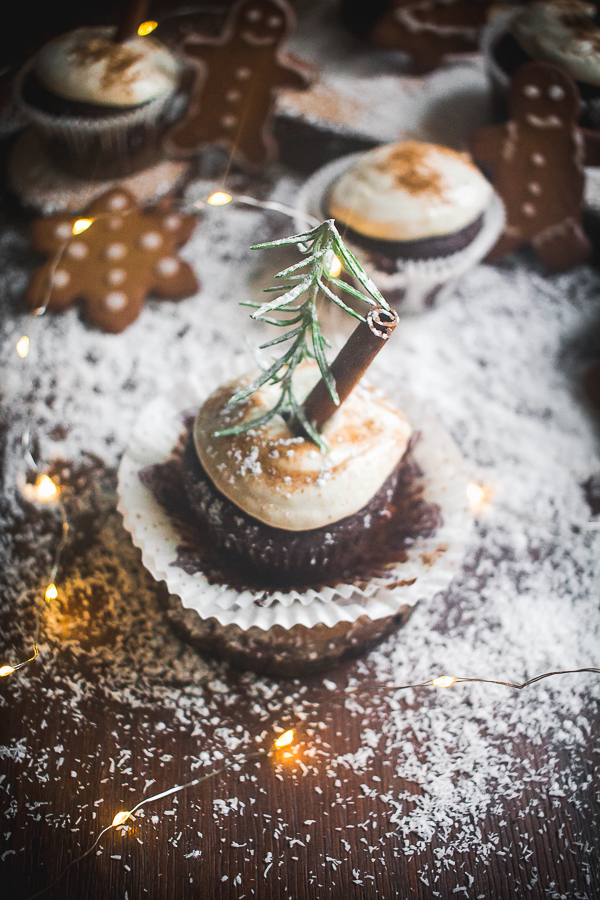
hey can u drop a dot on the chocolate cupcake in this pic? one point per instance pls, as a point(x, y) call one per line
point(417, 215)
point(102, 107)
point(564, 33)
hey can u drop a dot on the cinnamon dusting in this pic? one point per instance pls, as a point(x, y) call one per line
point(408, 165)
point(119, 60)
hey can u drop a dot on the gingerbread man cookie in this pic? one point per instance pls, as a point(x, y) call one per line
point(240, 75)
point(429, 29)
point(114, 264)
point(537, 161)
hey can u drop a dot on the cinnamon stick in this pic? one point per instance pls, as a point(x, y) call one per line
point(131, 19)
point(350, 364)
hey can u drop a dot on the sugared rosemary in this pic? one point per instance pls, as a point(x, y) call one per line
point(320, 248)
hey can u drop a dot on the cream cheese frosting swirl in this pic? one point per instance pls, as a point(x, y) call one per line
point(285, 481)
point(86, 66)
point(562, 32)
point(409, 191)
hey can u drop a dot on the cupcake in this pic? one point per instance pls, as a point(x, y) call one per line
point(289, 514)
point(564, 33)
point(101, 107)
point(418, 216)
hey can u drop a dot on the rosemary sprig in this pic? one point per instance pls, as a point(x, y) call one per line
point(319, 247)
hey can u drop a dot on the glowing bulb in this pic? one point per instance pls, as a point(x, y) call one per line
point(81, 225)
point(23, 346)
point(219, 198)
point(146, 28)
point(335, 267)
point(120, 818)
point(6, 670)
point(285, 739)
point(45, 489)
point(444, 681)
point(51, 592)
point(476, 494)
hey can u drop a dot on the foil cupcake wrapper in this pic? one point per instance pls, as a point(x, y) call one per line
point(431, 564)
point(418, 284)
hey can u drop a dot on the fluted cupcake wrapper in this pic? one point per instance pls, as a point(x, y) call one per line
point(430, 565)
point(418, 284)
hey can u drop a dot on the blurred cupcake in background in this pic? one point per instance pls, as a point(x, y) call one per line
point(417, 215)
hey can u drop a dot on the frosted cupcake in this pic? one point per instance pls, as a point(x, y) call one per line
point(100, 106)
point(418, 215)
point(564, 33)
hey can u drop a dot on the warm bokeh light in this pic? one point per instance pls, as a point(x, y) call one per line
point(285, 739)
point(120, 818)
point(81, 225)
point(477, 494)
point(23, 346)
point(444, 681)
point(6, 670)
point(219, 198)
point(44, 489)
point(146, 28)
point(51, 592)
point(335, 267)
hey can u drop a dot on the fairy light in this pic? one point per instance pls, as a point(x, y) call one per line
point(44, 489)
point(219, 198)
point(476, 494)
point(23, 346)
point(146, 28)
point(335, 267)
point(444, 681)
point(51, 592)
point(6, 670)
point(285, 739)
point(81, 225)
point(120, 819)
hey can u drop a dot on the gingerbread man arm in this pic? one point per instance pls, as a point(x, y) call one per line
point(591, 141)
point(291, 73)
point(485, 145)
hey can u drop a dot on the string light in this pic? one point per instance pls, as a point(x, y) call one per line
point(120, 819)
point(6, 670)
point(23, 346)
point(219, 198)
point(285, 739)
point(45, 489)
point(81, 225)
point(477, 495)
point(146, 28)
point(444, 681)
point(51, 592)
point(335, 266)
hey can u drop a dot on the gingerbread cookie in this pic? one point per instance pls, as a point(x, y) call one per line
point(537, 160)
point(429, 29)
point(240, 75)
point(113, 265)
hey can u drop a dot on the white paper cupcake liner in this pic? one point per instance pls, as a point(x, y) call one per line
point(431, 564)
point(422, 283)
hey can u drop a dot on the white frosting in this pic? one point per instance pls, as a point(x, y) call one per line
point(562, 32)
point(86, 66)
point(285, 481)
point(403, 192)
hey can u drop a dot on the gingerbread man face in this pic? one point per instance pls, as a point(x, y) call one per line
point(261, 23)
point(542, 96)
point(113, 265)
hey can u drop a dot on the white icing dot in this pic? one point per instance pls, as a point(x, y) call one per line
point(151, 240)
point(167, 266)
point(116, 300)
point(64, 230)
point(115, 251)
point(116, 276)
point(538, 159)
point(274, 21)
point(228, 121)
point(528, 209)
point(233, 96)
point(77, 250)
point(118, 201)
point(61, 278)
point(532, 91)
point(534, 188)
point(243, 73)
point(253, 15)
point(556, 92)
point(115, 223)
point(171, 222)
